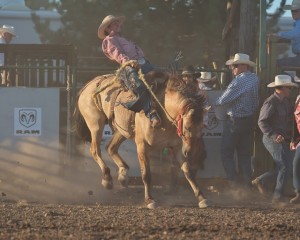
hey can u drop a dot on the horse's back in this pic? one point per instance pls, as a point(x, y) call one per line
point(86, 101)
point(107, 93)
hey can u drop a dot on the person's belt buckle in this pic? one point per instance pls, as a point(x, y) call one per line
point(141, 61)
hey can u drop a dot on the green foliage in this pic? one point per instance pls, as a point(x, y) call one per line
point(272, 21)
point(39, 4)
point(161, 28)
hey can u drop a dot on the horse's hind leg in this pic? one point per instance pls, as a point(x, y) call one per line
point(95, 151)
point(112, 149)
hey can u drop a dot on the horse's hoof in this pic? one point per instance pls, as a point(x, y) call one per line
point(203, 203)
point(107, 184)
point(123, 177)
point(151, 205)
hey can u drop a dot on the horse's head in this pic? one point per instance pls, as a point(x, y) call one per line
point(189, 128)
point(186, 106)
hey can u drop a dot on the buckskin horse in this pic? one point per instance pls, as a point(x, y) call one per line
point(181, 113)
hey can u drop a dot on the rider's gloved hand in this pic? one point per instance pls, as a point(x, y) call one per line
point(135, 64)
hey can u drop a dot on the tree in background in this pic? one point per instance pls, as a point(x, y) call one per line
point(240, 30)
point(39, 4)
point(161, 28)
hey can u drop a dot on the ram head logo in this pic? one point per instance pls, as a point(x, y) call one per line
point(213, 122)
point(27, 117)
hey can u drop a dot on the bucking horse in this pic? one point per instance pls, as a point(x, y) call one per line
point(100, 102)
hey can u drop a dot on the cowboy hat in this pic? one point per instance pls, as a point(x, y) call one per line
point(189, 70)
point(8, 29)
point(206, 77)
point(106, 22)
point(295, 5)
point(282, 80)
point(240, 58)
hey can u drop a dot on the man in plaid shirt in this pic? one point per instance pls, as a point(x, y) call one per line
point(241, 100)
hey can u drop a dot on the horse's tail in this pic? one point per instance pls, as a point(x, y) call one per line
point(79, 125)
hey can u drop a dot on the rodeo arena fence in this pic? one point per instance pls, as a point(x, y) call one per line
point(41, 158)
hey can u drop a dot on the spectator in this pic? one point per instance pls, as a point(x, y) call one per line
point(241, 100)
point(206, 81)
point(294, 36)
point(7, 33)
point(275, 123)
point(189, 75)
point(295, 145)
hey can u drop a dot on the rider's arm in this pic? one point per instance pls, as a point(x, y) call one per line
point(113, 50)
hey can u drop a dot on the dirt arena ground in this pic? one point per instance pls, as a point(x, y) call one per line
point(122, 215)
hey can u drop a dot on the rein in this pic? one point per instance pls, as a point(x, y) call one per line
point(141, 75)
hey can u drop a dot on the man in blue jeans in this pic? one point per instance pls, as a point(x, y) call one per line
point(241, 100)
point(275, 122)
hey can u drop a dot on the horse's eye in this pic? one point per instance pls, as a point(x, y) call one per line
point(188, 129)
point(188, 132)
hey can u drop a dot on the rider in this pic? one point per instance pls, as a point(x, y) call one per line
point(121, 50)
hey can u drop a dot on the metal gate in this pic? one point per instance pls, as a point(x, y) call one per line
point(44, 66)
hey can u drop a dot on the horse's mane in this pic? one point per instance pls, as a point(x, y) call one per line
point(189, 92)
point(176, 84)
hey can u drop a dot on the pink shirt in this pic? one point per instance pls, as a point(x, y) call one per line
point(297, 119)
point(120, 49)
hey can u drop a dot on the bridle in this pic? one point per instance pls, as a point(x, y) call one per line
point(179, 119)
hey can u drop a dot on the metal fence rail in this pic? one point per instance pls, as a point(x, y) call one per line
point(44, 66)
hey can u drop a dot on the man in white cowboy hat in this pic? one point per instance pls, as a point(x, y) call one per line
point(294, 36)
point(241, 100)
point(206, 81)
point(275, 122)
point(7, 33)
point(121, 50)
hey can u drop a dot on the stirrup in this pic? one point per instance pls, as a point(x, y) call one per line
point(155, 120)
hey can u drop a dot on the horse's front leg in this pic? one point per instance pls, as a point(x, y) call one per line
point(202, 201)
point(146, 174)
